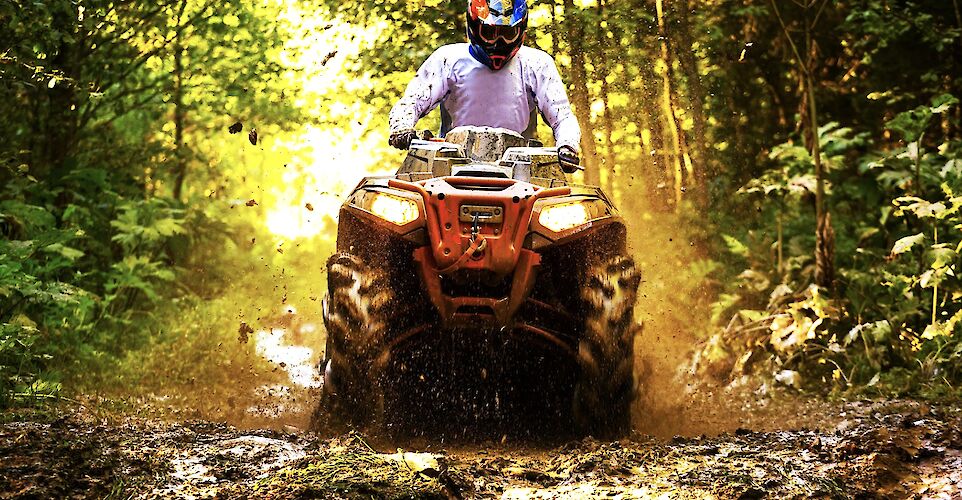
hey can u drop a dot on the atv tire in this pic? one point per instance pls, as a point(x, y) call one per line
point(357, 315)
point(606, 385)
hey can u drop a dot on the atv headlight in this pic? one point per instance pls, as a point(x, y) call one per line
point(394, 209)
point(563, 216)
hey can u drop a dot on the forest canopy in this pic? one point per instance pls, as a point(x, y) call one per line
point(791, 170)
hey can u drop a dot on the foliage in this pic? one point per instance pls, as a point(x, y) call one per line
point(125, 203)
point(109, 108)
point(897, 307)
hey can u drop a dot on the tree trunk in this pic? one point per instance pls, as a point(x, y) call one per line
point(956, 128)
point(180, 162)
point(824, 234)
point(180, 112)
point(58, 119)
point(579, 94)
point(608, 162)
point(675, 159)
point(555, 32)
point(650, 171)
point(696, 91)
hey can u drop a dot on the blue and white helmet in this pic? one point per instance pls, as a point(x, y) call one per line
point(496, 30)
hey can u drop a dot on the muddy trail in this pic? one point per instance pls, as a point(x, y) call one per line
point(893, 449)
point(748, 441)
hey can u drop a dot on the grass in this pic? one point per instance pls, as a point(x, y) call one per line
point(352, 469)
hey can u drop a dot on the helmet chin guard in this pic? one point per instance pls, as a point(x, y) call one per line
point(496, 30)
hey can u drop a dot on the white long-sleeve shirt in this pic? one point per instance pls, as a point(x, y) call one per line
point(473, 94)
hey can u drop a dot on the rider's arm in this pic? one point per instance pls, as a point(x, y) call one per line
point(549, 92)
point(426, 90)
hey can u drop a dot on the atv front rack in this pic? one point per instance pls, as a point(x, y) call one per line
point(460, 242)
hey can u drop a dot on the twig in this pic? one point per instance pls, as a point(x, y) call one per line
point(361, 439)
point(817, 15)
point(791, 42)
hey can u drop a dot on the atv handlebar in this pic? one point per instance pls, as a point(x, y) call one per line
point(551, 192)
point(409, 186)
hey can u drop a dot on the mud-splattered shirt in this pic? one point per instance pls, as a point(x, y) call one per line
point(472, 94)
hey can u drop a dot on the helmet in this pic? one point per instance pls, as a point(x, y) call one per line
point(496, 30)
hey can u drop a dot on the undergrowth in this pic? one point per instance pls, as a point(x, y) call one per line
point(892, 321)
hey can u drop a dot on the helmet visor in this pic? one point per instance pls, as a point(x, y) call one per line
point(490, 33)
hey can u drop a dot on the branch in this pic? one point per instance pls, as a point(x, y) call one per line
point(177, 32)
point(147, 55)
point(127, 109)
point(90, 110)
point(791, 42)
point(817, 14)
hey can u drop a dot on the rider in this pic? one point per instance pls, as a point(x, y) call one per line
point(491, 81)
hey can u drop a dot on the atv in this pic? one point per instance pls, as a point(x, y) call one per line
point(478, 283)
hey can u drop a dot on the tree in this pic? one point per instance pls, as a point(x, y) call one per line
point(824, 234)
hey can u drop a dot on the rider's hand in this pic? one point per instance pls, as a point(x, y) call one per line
point(402, 138)
point(567, 154)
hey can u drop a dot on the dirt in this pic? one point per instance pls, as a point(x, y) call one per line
point(743, 440)
point(894, 449)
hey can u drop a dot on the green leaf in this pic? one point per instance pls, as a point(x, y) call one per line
point(922, 208)
point(905, 244)
point(942, 256)
point(66, 252)
point(911, 124)
point(942, 103)
point(734, 246)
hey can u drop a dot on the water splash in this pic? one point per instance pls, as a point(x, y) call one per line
point(297, 360)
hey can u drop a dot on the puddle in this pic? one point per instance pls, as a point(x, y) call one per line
point(887, 449)
point(200, 469)
point(289, 399)
point(298, 361)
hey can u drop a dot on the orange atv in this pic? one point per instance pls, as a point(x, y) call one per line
point(476, 285)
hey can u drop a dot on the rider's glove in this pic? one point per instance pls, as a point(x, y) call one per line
point(568, 155)
point(402, 138)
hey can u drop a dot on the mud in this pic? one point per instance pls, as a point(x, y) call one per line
point(894, 449)
point(743, 440)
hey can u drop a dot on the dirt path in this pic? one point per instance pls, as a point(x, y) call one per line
point(692, 441)
point(900, 449)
